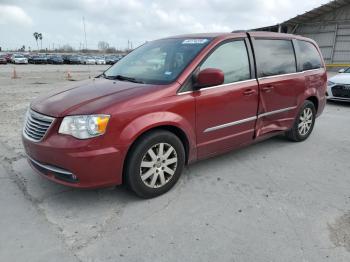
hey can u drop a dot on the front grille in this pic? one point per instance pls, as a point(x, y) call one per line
point(36, 125)
point(341, 91)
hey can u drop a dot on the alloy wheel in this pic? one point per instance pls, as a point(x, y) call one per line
point(305, 121)
point(158, 165)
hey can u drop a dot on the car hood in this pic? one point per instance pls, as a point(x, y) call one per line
point(88, 97)
point(341, 79)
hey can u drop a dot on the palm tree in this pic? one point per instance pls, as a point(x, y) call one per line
point(36, 36)
point(41, 40)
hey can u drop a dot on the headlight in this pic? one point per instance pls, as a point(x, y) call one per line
point(330, 83)
point(84, 126)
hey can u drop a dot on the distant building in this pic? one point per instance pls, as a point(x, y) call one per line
point(328, 25)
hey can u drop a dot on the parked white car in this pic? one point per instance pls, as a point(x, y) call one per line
point(100, 60)
point(19, 59)
point(338, 87)
point(89, 60)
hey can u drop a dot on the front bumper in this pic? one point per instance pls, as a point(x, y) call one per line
point(77, 163)
point(335, 97)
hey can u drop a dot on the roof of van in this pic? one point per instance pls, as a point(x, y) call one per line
point(240, 33)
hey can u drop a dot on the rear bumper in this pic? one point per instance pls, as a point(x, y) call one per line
point(75, 163)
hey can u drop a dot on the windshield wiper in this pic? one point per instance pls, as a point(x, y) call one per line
point(104, 75)
point(125, 78)
point(121, 78)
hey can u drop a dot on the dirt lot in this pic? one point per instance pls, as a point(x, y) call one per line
point(273, 201)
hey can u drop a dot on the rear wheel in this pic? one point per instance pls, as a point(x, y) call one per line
point(304, 123)
point(155, 163)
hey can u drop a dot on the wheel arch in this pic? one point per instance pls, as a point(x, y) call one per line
point(177, 131)
point(314, 100)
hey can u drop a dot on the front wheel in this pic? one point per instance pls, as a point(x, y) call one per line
point(304, 123)
point(155, 163)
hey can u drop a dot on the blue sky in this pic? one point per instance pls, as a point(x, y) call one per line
point(116, 22)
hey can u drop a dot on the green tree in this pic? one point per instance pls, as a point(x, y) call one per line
point(36, 36)
point(41, 40)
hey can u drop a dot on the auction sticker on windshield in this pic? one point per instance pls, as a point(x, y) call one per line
point(194, 41)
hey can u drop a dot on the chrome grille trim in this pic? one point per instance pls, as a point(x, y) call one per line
point(36, 125)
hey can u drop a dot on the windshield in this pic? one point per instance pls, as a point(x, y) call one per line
point(158, 62)
point(347, 70)
point(18, 56)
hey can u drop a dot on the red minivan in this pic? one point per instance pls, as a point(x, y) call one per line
point(173, 101)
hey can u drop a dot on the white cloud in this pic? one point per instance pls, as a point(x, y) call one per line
point(117, 21)
point(14, 15)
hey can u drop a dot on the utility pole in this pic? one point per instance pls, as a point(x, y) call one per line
point(85, 33)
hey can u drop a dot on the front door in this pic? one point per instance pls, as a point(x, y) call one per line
point(226, 114)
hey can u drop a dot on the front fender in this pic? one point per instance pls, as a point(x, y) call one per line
point(152, 120)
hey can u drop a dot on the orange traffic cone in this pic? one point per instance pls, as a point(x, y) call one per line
point(69, 76)
point(14, 74)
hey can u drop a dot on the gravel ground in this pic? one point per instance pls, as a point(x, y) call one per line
point(273, 201)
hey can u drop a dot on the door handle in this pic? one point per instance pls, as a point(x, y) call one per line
point(267, 89)
point(249, 92)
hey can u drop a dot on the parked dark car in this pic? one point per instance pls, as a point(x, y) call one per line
point(3, 59)
point(74, 59)
point(55, 59)
point(172, 102)
point(37, 59)
point(8, 57)
point(111, 60)
point(66, 59)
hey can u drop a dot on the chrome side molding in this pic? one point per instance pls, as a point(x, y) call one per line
point(249, 119)
point(239, 122)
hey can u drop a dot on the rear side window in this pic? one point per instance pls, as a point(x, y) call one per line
point(275, 57)
point(309, 56)
point(232, 59)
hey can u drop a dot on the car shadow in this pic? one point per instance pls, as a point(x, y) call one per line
point(339, 103)
point(58, 193)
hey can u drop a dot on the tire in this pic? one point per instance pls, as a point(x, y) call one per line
point(149, 175)
point(304, 123)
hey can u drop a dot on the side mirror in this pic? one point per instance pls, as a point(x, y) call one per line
point(210, 77)
point(341, 71)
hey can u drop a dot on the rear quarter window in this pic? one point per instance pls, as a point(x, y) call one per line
point(275, 57)
point(309, 56)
